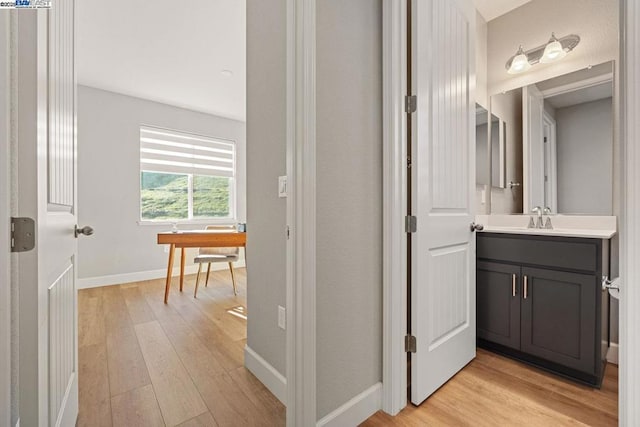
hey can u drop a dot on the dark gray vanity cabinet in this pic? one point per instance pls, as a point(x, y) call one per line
point(498, 303)
point(539, 299)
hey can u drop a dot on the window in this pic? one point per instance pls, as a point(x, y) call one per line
point(185, 177)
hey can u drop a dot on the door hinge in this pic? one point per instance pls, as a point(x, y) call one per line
point(410, 103)
point(288, 232)
point(409, 163)
point(410, 224)
point(545, 139)
point(23, 234)
point(410, 344)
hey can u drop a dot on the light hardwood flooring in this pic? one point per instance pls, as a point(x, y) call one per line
point(496, 391)
point(144, 363)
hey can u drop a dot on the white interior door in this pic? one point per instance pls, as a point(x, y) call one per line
point(46, 91)
point(533, 148)
point(443, 182)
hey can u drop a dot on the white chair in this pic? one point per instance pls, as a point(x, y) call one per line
point(209, 255)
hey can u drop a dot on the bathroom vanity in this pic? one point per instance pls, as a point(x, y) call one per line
point(539, 295)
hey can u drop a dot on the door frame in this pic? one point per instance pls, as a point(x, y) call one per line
point(5, 249)
point(395, 196)
point(629, 160)
point(394, 391)
point(301, 212)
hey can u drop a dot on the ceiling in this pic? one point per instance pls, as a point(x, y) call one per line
point(178, 53)
point(581, 96)
point(490, 9)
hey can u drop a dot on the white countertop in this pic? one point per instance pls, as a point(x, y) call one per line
point(592, 227)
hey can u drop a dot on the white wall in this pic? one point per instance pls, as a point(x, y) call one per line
point(595, 21)
point(266, 160)
point(349, 200)
point(109, 180)
point(585, 158)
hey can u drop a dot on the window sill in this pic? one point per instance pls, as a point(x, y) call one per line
point(212, 221)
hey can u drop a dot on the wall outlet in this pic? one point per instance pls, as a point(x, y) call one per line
point(282, 317)
point(282, 186)
point(166, 249)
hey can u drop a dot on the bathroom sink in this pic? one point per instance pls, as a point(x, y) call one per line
point(564, 225)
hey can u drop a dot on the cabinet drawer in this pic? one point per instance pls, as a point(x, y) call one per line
point(563, 253)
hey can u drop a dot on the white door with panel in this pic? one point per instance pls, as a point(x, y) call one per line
point(46, 91)
point(443, 185)
point(533, 148)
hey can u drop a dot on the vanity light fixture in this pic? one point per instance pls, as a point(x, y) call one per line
point(519, 63)
point(553, 50)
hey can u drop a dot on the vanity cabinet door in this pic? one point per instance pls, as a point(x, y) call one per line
point(498, 303)
point(559, 317)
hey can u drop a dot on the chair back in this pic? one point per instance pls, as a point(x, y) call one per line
point(220, 251)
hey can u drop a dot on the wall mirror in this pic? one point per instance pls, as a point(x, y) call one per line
point(497, 134)
point(490, 158)
point(482, 146)
point(561, 132)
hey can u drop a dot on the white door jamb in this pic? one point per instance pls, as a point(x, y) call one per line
point(394, 359)
point(629, 394)
point(301, 213)
point(5, 249)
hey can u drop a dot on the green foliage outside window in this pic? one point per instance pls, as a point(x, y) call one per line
point(165, 196)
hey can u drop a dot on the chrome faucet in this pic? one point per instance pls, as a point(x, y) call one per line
point(539, 224)
point(547, 224)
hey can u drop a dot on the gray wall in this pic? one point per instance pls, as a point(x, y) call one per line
point(109, 176)
point(585, 158)
point(266, 160)
point(349, 200)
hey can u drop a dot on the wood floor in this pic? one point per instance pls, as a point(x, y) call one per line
point(143, 363)
point(496, 391)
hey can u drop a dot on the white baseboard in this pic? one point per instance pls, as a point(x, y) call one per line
point(117, 279)
point(356, 410)
point(267, 374)
point(612, 354)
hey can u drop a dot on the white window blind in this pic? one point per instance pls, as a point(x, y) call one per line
point(176, 152)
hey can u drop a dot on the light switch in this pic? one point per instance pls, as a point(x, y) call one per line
point(282, 186)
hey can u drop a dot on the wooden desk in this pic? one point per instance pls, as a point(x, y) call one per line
point(196, 239)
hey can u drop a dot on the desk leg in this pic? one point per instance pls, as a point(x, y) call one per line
point(182, 255)
point(172, 249)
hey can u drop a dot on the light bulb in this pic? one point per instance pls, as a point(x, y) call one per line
point(553, 51)
point(520, 62)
